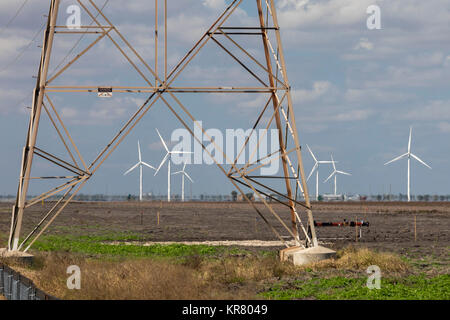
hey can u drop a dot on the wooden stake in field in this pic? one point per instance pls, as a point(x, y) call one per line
point(157, 214)
point(415, 228)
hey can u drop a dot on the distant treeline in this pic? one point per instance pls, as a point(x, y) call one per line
point(235, 197)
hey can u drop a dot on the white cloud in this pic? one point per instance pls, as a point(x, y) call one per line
point(9, 99)
point(436, 110)
point(319, 89)
point(352, 115)
point(214, 4)
point(375, 96)
point(425, 60)
point(399, 76)
point(256, 102)
point(102, 112)
point(300, 13)
point(365, 44)
point(447, 61)
point(68, 113)
point(444, 127)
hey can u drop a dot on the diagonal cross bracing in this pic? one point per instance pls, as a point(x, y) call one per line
point(162, 89)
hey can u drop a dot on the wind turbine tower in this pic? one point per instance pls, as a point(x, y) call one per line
point(409, 154)
point(140, 164)
point(183, 175)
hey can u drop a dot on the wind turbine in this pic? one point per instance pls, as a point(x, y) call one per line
point(335, 173)
point(409, 154)
point(168, 157)
point(139, 164)
point(316, 168)
point(183, 174)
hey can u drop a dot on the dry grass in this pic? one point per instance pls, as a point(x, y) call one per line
point(147, 279)
point(242, 270)
point(358, 259)
point(228, 277)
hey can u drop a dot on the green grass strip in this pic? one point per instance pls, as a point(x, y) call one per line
point(341, 288)
point(96, 245)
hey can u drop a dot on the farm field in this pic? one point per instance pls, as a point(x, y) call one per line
point(211, 250)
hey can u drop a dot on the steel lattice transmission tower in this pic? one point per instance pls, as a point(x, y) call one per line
point(277, 112)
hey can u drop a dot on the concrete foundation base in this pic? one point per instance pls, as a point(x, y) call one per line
point(299, 256)
point(17, 256)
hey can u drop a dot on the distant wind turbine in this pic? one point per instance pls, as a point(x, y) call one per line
point(316, 168)
point(409, 154)
point(168, 157)
point(139, 164)
point(335, 173)
point(183, 174)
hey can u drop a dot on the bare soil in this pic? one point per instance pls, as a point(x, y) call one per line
point(391, 223)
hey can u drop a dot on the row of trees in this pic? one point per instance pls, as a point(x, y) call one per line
point(235, 196)
point(404, 197)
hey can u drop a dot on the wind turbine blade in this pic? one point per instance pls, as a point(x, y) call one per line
point(312, 154)
point(187, 176)
point(147, 165)
point(331, 176)
point(131, 169)
point(312, 171)
point(410, 138)
point(396, 159)
point(346, 173)
point(420, 160)
point(162, 163)
point(334, 163)
point(162, 140)
point(327, 162)
point(139, 152)
point(178, 172)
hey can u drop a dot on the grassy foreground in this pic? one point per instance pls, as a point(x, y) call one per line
point(207, 272)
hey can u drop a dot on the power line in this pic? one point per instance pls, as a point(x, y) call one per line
point(20, 54)
point(34, 38)
point(25, 97)
point(14, 17)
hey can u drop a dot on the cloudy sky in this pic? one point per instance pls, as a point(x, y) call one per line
point(356, 91)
